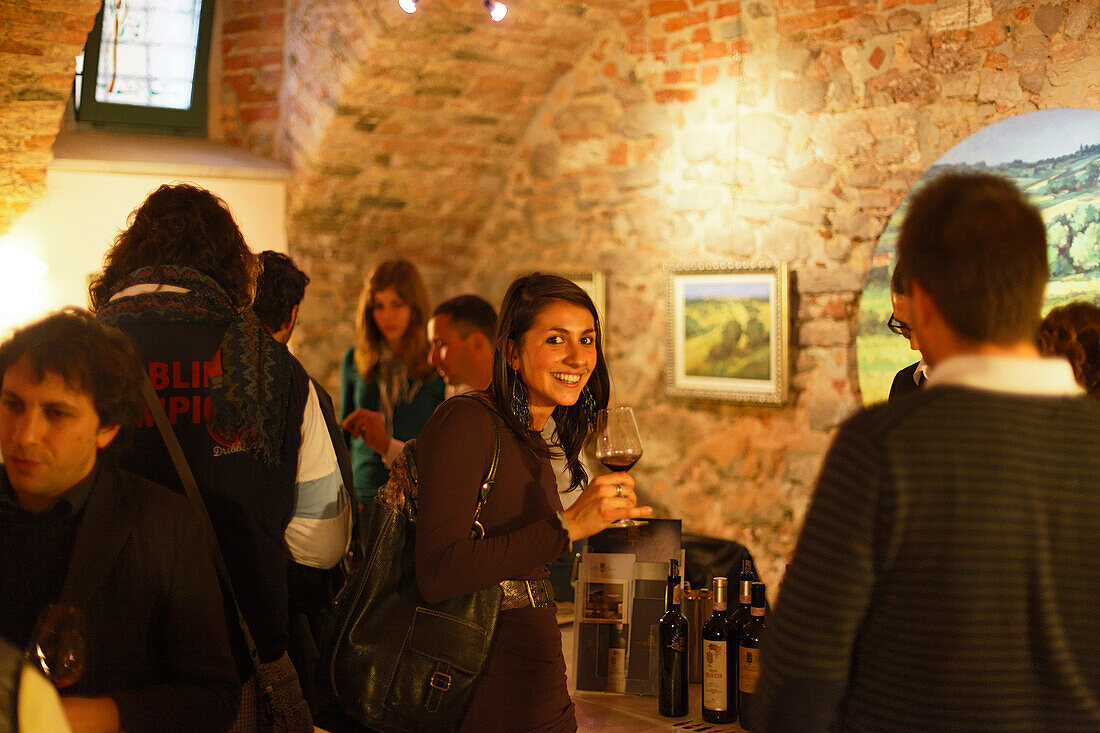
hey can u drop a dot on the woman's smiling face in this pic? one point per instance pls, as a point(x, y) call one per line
point(555, 358)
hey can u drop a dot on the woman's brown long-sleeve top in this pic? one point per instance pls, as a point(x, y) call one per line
point(523, 686)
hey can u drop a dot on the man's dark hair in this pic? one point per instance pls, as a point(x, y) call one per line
point(180, 225)
point(90, 356)
point(898, 283)
point(977, 246)
point(279, 287)
point(469, 313)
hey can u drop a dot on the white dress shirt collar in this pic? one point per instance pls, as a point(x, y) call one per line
point(1047, 376)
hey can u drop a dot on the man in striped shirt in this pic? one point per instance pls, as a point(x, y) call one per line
point(947, 575)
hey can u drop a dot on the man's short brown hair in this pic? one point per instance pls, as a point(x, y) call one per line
point(977, 246)
point(91, 357)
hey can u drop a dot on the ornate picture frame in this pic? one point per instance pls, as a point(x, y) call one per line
point(728, 325)
point(593, 282)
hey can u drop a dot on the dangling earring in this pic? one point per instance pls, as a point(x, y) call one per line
point(519, 400)
point(588, 404)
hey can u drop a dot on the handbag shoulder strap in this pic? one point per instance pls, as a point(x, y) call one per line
point(478, 530)
point(192, 489)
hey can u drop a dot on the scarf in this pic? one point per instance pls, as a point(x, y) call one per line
point(394, 386)
point(248, 398)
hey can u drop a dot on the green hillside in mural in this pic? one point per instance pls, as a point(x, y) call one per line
point(1067, 192)
point(1066, 188)
point(727, 337)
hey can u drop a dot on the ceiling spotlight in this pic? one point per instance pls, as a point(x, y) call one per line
point(497, 11)
point(409, 6)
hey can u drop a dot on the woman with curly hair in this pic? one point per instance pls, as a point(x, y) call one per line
point(389, 390)
point(1073, 331)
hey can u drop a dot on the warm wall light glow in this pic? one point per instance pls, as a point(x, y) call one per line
point(497, 11)
point(22, 286)
point(409, 6)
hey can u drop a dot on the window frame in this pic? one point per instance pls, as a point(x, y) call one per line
point(138, 118)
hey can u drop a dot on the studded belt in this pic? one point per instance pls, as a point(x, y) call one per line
point(523, 593)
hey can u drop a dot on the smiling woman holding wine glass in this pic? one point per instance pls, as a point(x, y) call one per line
point(548, 365)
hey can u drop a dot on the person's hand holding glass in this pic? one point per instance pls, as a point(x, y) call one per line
point(618, 447)
point(58, 644)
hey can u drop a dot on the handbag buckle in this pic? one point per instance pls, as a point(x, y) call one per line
point(440, 681)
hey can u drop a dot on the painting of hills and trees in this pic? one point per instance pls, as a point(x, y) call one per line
point(1054, 157)
point(727, 332)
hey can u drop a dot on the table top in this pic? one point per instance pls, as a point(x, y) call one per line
point(610, 712)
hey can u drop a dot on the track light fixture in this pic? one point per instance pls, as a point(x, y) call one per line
point(497, 10)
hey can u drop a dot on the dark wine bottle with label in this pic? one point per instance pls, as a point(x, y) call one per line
point(719, 660)
point(741, 614)
point(672, 633)
point(616, 659)
point(749, 668)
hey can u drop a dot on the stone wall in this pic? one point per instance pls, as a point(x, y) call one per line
point(788, 131)
point(618, 135)
point(39, 40)
point(250, 52)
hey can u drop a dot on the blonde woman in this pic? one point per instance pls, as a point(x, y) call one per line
point(389, 388)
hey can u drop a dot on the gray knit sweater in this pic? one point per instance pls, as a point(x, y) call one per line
point(948, 573)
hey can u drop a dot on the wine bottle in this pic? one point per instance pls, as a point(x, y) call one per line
point(672, 631)
point(749, 668)
point(741, 615)
point(719, 655)
point(616, 659)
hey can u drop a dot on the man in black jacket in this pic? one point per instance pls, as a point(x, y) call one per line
point(129, 555)
point(913, 376)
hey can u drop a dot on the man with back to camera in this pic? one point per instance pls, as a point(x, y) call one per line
point(129, 555)
point(913, 376)
point(280, 289)
point(946, 576)
point(178, 280)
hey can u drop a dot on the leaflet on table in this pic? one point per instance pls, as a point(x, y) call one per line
point(602, 620)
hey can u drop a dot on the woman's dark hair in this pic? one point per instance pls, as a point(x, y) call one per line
point(526, 298)
point(91, 357)
point(184, 225)
point(404, 278)
point(1073, 331)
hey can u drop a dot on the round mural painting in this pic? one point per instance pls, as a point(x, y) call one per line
point(1054, 157)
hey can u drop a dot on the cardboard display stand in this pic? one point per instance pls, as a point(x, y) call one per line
point(620, 597)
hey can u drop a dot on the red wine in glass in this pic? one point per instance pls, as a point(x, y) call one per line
point(620, 461)
point(58, 644)
point(618, 445)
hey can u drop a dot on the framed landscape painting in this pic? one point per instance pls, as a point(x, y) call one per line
point(728, 331)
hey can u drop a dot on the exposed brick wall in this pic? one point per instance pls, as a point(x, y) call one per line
point(618, 135)
point(39, 40)
point(794, 141)
point(252, 50)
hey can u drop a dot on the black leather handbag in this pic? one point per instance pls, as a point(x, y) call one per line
point(394, 661)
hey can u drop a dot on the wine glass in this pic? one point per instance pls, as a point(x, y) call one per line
point(58, 645)
point(618, 445)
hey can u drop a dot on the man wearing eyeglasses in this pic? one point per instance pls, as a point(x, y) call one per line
point(912, 376)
